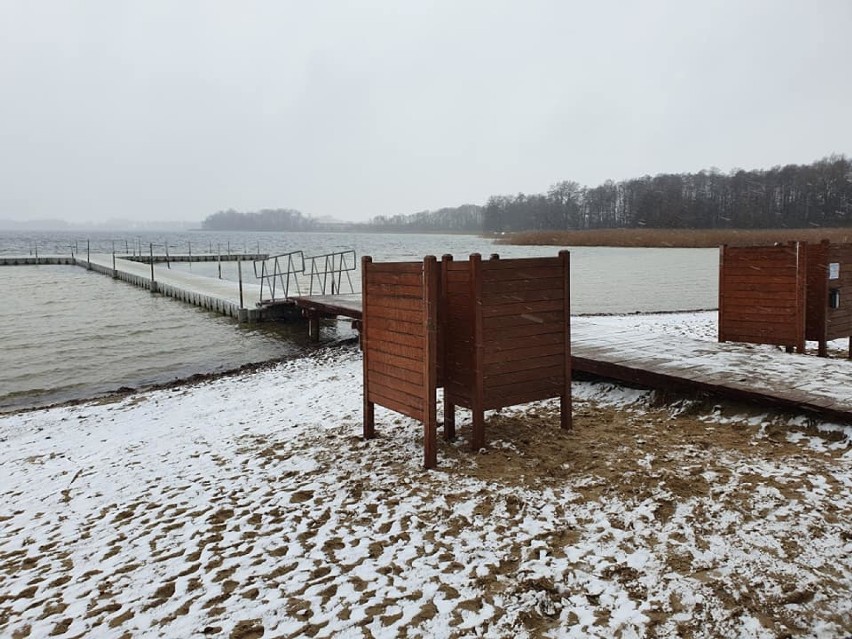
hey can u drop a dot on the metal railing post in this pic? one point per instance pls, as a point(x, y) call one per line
point(153, 282)
point(240, 277)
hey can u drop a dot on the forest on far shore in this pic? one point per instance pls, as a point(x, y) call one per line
point(792, 196)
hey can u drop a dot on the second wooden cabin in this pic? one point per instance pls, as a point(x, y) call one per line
point(787, 294)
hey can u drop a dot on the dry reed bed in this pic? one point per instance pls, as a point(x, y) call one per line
point(677, 238)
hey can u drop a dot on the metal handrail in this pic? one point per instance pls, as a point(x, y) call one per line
point(333, 267)
point(279, 269)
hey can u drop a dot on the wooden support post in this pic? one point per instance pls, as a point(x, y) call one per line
point(822, 348)
point(430, 361)
point(720, 319)
point(444, 312)
point(801, 290)
point(449, 421)
point(565, 404)
point(477, 439)
point(313, 326)
point(369, 407)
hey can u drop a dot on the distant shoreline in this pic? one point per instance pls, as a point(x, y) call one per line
point(673, 238)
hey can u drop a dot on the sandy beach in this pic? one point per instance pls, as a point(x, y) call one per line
point(249, 506)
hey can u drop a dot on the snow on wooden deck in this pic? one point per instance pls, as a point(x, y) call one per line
point(738, 370)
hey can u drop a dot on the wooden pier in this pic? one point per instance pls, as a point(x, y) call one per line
point(317, 307)
point(234, 299)
point(736, 371)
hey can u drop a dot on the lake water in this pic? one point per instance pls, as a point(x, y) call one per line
point(68, 333)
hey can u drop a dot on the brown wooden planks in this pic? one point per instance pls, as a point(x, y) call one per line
point(762, 294)
point(403, 279)
point(522, 308)
point(399, 340)
point(400, 402)
point(414, 377)
point(405, 315)
point(512, 297)
point(524, 319)
point(519, 264)
point(497, 368)
point(396, 382)
point(514, 377)
point(534, 284)
point(405, 290)
point(521, 273)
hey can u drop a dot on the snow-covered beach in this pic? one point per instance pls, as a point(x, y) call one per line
point(249, 506)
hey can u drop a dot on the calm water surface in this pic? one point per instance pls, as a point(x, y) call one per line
point(67, 333)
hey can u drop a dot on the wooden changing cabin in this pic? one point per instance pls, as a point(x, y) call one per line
point(493, 333)
point(786, 294)
point(829, 294)
point(507, 336)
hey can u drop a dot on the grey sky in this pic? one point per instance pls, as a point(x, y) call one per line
point(173, 110)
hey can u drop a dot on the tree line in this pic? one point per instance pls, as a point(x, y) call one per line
point(263, 220)
point(793, 196)
point(466, 218)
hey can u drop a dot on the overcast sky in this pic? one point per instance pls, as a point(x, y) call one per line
point(172, 110)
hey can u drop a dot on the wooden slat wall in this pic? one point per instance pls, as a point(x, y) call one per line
point(399, 343)
point(839, 320)
point(817, 294)
point(457, 305)
point(762, 295)
point(506, 335)
point(525, 341)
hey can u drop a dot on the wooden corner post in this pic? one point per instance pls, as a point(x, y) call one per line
point(369, 407)
point(443, 312)
point(801, 249)
point(477, 440)
point(565, 403)
point(721, 312)
point(431, 283)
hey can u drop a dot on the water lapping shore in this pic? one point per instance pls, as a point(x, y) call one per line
point(70, 334)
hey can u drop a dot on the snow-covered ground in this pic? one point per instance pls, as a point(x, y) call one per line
point(249, 506)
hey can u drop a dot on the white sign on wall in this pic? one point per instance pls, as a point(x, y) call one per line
point(834, 271)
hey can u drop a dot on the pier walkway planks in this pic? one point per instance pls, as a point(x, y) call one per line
point(738, 371)
point(221, 296)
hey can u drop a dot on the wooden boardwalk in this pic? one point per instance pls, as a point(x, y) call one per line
point(736, 371)
point(315, 307)
point(221, 296)
point(218, 295)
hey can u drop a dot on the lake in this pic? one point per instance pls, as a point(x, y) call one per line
point(68, 333)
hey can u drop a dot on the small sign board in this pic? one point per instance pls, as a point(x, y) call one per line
point(834, 271)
